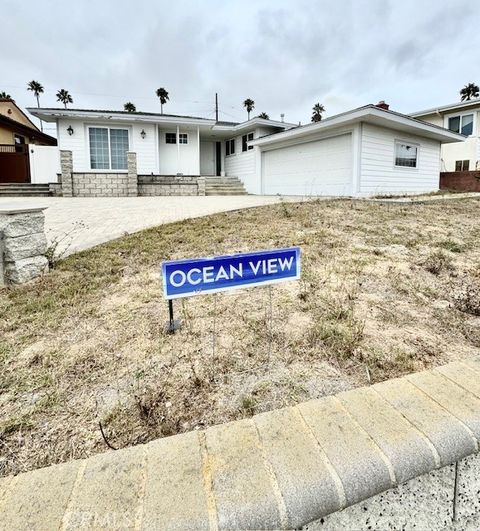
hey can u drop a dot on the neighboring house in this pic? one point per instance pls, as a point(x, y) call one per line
point(17, 136)
point(462, 117)
point(366, 151)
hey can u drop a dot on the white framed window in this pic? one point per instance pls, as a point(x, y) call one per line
point(462, 165)
point(461, 123)
point(245, 140)
point(170, 138)
point(406, 154)
point(230, 147)
point(108, 148)
point(183, 138)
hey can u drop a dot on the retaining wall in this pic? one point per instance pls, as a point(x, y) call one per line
point(161, 185)
point(467, 181)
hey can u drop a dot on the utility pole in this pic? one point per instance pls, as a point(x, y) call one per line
point(216, 106)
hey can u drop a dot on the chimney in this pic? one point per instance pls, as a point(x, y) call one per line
point(282, 116)
point(382, 105)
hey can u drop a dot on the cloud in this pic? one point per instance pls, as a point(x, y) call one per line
point(286, 55)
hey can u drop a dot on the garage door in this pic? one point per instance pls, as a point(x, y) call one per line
point(323, 167)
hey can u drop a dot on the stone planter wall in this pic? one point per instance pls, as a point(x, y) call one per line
point(97, 184)
point(23, 244)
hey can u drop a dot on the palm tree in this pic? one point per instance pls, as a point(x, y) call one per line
point(469, 91)
point(129, 107)
point(64, 97)
point(162, 94)
point(249, 104)
point(5, 96)
point(264, 115)
point(37, 88)
point(317, 109)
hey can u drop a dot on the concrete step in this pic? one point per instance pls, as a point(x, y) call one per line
point(226, 192)
point(24, 190)
point(25, 193)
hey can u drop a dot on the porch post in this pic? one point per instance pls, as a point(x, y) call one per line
point(198, 144)
point(178, 149)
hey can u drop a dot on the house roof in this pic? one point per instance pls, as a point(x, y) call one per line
point(450, 107)
point(370, 114)
point(32, 132)
point(22, 114)
point(52, 114)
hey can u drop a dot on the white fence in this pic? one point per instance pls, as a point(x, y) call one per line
point(44, 163)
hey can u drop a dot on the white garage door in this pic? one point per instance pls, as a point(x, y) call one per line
point(323, 167)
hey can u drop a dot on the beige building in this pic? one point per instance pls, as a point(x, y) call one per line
point(17, 134)
point(464, 118)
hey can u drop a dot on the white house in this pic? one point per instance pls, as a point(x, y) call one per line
point(461, 117)
point(165, 144)
point(366, 151)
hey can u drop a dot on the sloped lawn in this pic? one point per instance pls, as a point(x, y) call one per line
point(385, 290)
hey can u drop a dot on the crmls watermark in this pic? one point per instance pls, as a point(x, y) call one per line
point(103, 520)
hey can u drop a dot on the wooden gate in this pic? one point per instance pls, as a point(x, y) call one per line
point(14, 163)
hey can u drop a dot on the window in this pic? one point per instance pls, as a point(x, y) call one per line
point(406, 155)
point(118, 148)
point(250, 137)
point(108, 148)
point(170, 138)
point(245, 140)
point(461, 124)
point(183, 138)
point(230, 147)
point(462, 165)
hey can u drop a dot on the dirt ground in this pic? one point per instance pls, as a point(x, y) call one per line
point(385, 290)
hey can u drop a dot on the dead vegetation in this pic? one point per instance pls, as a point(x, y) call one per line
point(385, 290)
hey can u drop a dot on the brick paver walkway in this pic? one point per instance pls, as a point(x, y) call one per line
point(98, 220)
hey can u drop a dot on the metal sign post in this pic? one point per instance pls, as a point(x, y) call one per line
point(172, 325)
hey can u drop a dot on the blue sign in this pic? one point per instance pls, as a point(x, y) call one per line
point(185, 278)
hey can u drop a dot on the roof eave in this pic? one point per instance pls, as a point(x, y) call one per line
point(53, 115)
point(365, 114)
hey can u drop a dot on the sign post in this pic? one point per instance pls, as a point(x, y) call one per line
point(201, 276)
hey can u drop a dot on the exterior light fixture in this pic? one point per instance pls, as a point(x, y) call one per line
point(143, 134)
point(70, 130)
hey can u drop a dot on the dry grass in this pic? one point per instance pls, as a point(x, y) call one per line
point(385, 290)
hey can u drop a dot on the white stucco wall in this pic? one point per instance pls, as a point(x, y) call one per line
point(378, 173)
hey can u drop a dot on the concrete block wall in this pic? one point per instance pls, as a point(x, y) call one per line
point(100, 184)
point(164, 185)
point(402, 454)
point(23, 244)
point(465, 181)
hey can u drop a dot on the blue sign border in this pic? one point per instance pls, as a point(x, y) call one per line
point(255, 254)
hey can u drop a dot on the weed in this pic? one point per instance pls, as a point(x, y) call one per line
point(467, 298)
point(452, 246)
point(437, 262)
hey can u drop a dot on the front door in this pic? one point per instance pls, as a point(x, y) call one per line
point(207, 158)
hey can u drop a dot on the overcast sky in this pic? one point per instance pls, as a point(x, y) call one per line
point(285, 55)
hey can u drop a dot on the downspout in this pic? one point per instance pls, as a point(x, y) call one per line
point(178, 150)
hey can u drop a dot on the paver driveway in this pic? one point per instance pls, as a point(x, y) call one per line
point(98, 220)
